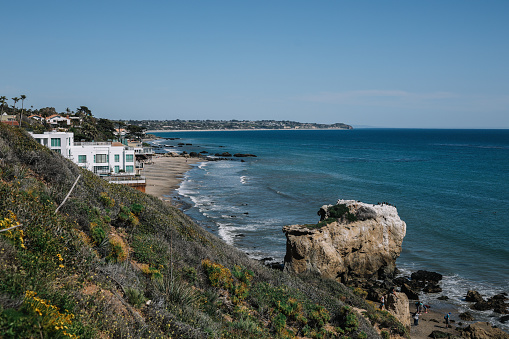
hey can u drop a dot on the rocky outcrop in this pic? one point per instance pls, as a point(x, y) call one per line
point(353, 240)
point(397, 305)
point(483, 330)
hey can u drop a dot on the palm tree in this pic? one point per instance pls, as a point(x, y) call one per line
point(22, 98)
point(3, 99)
point(15, 99)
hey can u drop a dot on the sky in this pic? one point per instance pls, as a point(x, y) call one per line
point(401, 64)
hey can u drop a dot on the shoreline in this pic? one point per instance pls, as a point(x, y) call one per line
point(165, 174)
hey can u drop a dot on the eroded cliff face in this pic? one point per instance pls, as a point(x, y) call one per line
point(362, 241)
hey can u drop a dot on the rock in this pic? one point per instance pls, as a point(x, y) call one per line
point(432, 288)
point(426, 276)
point(482, 306)
point(504, 319)
point(483, 330)
point(443, 297)
point(224, 154)
point(473, 296)
point(466, 316)
point(397, 305)
point(410, 293)
point(439, 334)
point(242, 155)
point(346, 248)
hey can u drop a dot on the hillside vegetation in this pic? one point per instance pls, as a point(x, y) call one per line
point(113, 262)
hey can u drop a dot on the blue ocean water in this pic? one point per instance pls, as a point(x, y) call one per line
point(451, 187)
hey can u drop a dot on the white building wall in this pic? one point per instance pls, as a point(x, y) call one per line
point(97, 157)
point(60, 142)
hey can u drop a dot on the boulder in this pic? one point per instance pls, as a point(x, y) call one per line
point(426, 276)
point(483, 330)
point(466, 316)
point(473, 296)
point(397, 305)
point(432, 288)
point(439, 334)
point(410, 293)
point(242, 155)
point(345, 246)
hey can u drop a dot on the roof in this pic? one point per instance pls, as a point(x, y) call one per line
point(12, 123)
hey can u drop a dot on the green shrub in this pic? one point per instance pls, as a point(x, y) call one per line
point(279, 322)
point(97, 234)
point(135, 297)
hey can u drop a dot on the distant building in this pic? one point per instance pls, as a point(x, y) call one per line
point(56, 120)
point(37, 117)
point(114, 161)
point(9, 119)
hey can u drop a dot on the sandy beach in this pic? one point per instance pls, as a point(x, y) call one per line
point(429, 322)
point(164, 175)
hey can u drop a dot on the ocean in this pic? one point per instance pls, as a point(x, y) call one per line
point(451, 187)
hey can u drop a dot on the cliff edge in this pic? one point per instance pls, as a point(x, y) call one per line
point(352, 240)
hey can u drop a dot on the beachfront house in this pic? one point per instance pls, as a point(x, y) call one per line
point(56, 120)
point(113, 161)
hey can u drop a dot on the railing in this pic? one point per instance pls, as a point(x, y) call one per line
point(125, 179)
point(92, 143)
point(144, 150)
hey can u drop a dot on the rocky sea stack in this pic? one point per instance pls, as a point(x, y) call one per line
point(352, 240)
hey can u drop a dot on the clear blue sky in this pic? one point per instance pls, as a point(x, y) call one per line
point(437, 64)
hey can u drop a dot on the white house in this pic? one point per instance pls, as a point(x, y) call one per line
point(102, 158)
point(60, 142)
point(58, 120)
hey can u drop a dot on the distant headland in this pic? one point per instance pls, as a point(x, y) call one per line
point(202, 125)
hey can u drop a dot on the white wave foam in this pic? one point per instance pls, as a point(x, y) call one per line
point(225, 232)
point(243, 179)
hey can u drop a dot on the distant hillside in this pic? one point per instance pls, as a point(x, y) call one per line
point(231, 125)
point(117, 263)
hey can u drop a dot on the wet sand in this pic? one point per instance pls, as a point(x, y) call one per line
point(429, 322)
point(165, 174)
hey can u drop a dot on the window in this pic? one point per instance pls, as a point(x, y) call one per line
point(55, 142)
point(101, 169)
point(100, 158)
point(129, 169)
point(128, 158)
point(117, 158)
point(82, 159)
point(117, 169)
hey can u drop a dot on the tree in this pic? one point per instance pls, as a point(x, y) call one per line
point(83, 111)
point(15, 99)
point(22, 98)
point(3, 100)
point(134, 131)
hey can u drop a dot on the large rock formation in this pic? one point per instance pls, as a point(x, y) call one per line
point(397, 304)
point(353, 239)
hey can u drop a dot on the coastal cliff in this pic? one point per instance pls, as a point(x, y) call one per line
point(352, 240)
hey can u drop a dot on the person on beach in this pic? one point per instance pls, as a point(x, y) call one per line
point(426, 308)
point(416, 319)
point(447, 317)
point(420, 307)
point(416, 307)
point(382, 302)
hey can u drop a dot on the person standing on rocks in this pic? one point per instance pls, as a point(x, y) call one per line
point(447, 318)
point(382, 302)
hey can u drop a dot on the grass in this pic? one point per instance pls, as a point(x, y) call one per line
point(125, 264)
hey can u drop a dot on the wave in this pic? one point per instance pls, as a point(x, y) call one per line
point(455, 288)
point(473, 146)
